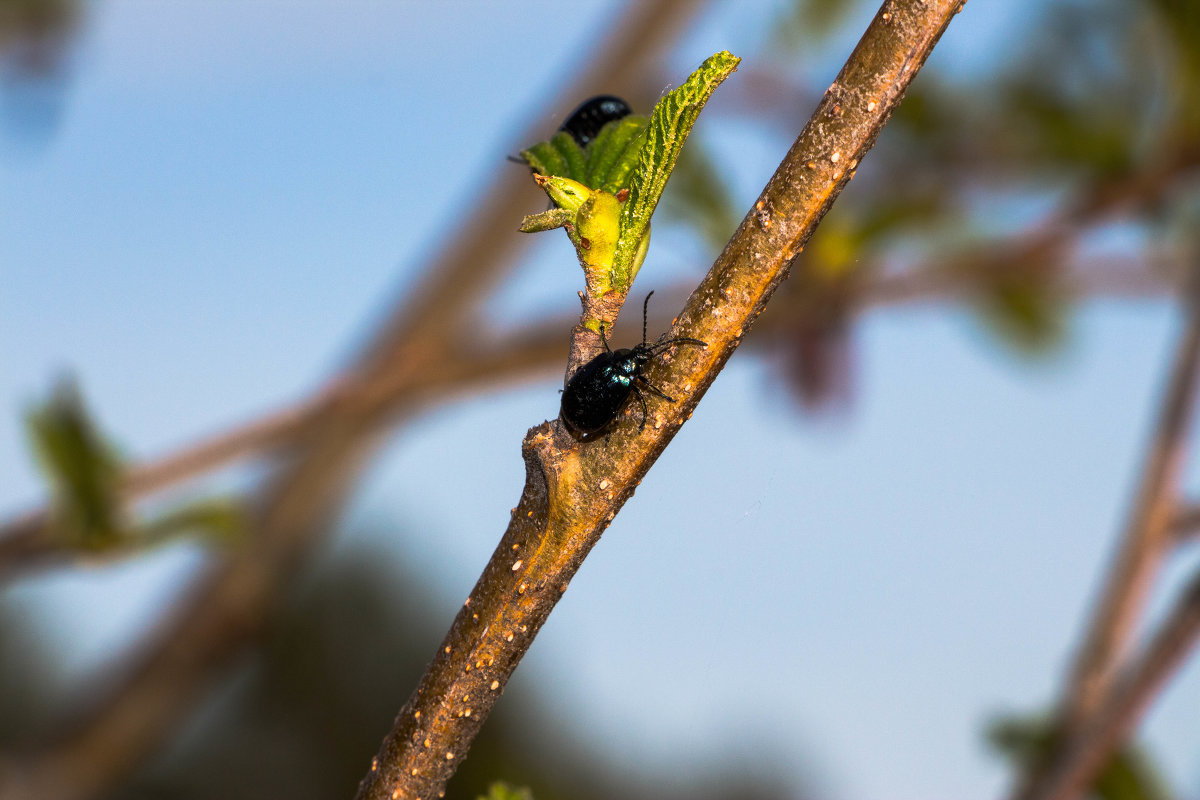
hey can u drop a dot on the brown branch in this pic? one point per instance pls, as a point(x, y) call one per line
point(1074, 769)
point(573, 491)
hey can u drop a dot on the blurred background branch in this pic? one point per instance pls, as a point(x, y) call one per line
point(228, 605)
point(1097, 711)
point(1073, 766)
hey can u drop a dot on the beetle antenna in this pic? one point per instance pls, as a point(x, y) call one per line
point(604, 339)
point(645, 311)
point(661, 345)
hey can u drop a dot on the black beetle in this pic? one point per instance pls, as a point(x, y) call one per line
point(586, 121)
point(598, 390)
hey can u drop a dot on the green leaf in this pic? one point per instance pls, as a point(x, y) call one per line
point(502, 791)
point(669, 126)
point(547, 159)
point(1020, 739)
point(572, 155)
point(221, 521)
point(1025, 310)
point(611, 187)
point(1128, 775)
point(1066, 131)
point(804, 22)
point(606, 163)
point(559, 157)
point(1181, 27)
point(86, 477)
point(614, 152)
point(566, 193)
point(82, 468)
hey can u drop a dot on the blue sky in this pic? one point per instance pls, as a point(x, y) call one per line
point(236, 191)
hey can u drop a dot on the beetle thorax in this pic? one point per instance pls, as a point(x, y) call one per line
point(626, 362)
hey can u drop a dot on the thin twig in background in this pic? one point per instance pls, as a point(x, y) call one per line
point(1148, 540)
point(1187, 523)
point(1103, 731)
point(29, 542)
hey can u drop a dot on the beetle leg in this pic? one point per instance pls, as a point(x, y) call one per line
point(645, 412)
point(654, 389)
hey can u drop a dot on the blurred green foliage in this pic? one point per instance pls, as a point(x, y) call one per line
point(1024, 308)
point(83, 470)
point(1128, 775)
point(502, 791)
point(86, 477)
point(699, 197)
point(305, 709)
point(805, 21)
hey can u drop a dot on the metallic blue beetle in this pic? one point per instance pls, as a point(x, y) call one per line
point(598, 390)
point(586, 121)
